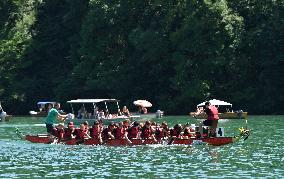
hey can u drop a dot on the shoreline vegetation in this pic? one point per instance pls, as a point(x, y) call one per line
point(174, 54)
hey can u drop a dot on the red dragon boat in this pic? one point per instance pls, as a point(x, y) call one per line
point(215, 141)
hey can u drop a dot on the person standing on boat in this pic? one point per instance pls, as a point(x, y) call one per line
point(52, 117)
point(212, 118)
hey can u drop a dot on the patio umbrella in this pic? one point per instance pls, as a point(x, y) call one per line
point(142, 103)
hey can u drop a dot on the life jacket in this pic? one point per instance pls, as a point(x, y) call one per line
point(80, 135)
point(118, 133)
point(159, 133)
point(175, 133)
point(67, 133)
point(165, 132)
point(105, 133)
point(197, 134)
point(146, 133)
point(212, 113)
point(187, 134)
point(95, 132)
point(133, 132)
point(59, 133)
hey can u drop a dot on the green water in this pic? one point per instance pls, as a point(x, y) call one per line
point(261, 156)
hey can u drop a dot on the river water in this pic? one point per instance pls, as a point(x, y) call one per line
point(261, 156)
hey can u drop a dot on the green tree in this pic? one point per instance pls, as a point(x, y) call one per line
point(47, 60)
point(260, 56)
point(16, 18)
point(205, 42)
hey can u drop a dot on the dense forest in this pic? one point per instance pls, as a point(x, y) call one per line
point(174, 53)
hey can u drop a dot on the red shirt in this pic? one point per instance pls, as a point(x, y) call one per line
point(95, 132)
point(159, 133)
point(175, 133)
point(212, 113)
point(119, 133)
point(105, 133)
point(186, 133)
point(59, 133)
point(68, 132)
point(146, 133)
point(133, 132)
point(80, 134)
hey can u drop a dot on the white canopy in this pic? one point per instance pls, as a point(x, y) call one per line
point(216, 102)
point(45, 102)
point(92, 100)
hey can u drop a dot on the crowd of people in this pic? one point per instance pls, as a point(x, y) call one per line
point(123, 130)
point(101, 114)
point(135, 130)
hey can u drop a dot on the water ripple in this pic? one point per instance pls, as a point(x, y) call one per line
point(261, 156)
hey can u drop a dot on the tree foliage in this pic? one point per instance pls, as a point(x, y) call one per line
point(173, 53)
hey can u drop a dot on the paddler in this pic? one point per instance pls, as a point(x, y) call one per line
point(187, 133)
point(95, 132)
point(58, 131)
point(81, 134)
point(166, 129)
point(212, 118)
point(132, 132)
point(159, 133)
point(119, 131)
point(108, 132)
point(69, 131)
point(176, 131)
point(52, 117)
point(146, 131)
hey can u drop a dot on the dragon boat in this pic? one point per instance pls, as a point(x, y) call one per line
point(214, 141)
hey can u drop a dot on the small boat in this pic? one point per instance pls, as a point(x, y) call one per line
point(215, 141)
point(43, 108)
point(224, 108)
point(143, 112)
point(225, 115)
point(91, 110)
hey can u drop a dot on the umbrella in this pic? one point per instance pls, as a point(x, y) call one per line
point(142, 103)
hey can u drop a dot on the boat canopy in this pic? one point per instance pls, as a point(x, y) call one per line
point(92, 100)
point(216, 102)
point(45, 102)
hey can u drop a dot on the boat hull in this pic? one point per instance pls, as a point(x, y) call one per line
point(226, 115)
point(146, 116)
point(215, 141)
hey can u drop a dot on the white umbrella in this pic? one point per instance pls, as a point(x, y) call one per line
point(142, 103)
point(216, 102)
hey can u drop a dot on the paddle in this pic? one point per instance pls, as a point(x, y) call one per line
point(127, 139)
